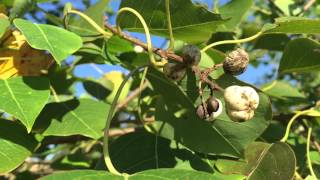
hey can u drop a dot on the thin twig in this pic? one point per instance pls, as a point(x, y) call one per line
point(308, 5)
point(135, 93)
point(162, 53)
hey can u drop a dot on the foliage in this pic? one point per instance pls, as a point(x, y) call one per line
point(142, 123)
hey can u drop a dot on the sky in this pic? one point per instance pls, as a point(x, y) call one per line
point(252, 74)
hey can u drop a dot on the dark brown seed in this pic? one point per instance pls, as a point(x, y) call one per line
point(175, 72)
point(212, 105)
point(201, 111)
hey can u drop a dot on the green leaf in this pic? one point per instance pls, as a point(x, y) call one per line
point(294, 25)
point(190, 23)
point(15, 144)
point(24, 98)
point(141, 150)
point(82, 175)
point(96, 13)
point(276, 42)
point(300, 55)
point(277, 161)
point(176, 119)
point(4, 25)
point(235, 10)
point(276, 89)
point(262, 161)
point(59, 42)
point(85, 117)
point(158, 174)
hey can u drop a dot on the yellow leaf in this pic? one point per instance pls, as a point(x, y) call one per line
point(20, 59)
point(116, 78)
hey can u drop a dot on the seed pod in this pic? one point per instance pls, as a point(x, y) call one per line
point(191, 55)
point(241, 102)
point(175, 72)
point(236, 62)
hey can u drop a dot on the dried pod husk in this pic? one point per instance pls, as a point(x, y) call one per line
point(236, 62)
point(191, 55)
point(175, 72)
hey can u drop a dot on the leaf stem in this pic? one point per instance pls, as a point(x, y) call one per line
point(112, 109)
point(142, 82)
point(297, 114)
point(286, 135)
point(90, 21)
point(146, 29)
point(308, 153)
point(171, 45)
point(231, 41)
point(54, 93)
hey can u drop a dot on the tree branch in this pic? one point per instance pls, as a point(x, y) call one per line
point(162, 53)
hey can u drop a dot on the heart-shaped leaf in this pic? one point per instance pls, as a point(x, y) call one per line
point(24, 98)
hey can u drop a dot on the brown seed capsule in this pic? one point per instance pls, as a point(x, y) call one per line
point(236, 62)
point(191, 55)
point(175, 72)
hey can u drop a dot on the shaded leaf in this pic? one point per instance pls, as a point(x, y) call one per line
point(59, 42)
point(300, 55)
point(262, 161)
point(141, 150)
point(176, 119)
point(24, 98)
point(85, 117)
point(98, 89)
point(15, 144)
point(186, 18)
